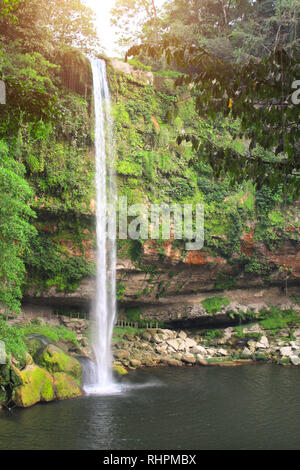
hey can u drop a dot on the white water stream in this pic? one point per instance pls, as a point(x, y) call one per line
point(104, 311)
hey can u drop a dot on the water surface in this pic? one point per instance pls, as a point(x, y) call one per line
point(249, 407)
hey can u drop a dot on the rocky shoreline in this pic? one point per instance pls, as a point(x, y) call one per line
point(52, 371)
point(275, 340)
point(228, 347)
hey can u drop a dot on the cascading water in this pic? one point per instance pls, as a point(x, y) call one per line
point(100, 376)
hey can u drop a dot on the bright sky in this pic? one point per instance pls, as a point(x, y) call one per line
point(105, 30)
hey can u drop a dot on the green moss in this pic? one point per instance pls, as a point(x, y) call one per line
point(121, 289)
point(120, 370)
point(54, 360)
point(285, 361)
point(36, 386)
point(50, 264)
point(277, 319)
point(134, 315)
point(54, 333)
point(214, 305)
point(3, 395)
point(224, 282)
point(65, 386)
point(213, 334)
point(261, 357)
point(5, 377)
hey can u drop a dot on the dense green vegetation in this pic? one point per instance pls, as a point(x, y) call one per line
point(241, 58)
point(16, 337)
point(45, 140)
point(153, 167)
point(215, 304)
point(46, 137)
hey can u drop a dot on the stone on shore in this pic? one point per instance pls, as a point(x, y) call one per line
point(37, 386)
point(54, 360)
point(66, 386)
point(189, 358)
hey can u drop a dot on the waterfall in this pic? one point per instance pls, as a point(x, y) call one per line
point(104, 311)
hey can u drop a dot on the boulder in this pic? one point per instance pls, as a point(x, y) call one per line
point(263, 343)
point(37, 385)
point(135, 363)
point(190, 343)
point(199, 350)
point(223, 352)
point(173, 363)
point(54, 360)
point(147, 336)
point(286, 351)
point(121, 354)
point(119, 370)
point(161, 349)
point(168, 334)
point(252, 345)
point(173, 343)
point(158, 338)
point(201, 361)
point(34, 346)
point(182, 335)
point(66, 386)
point(189, 358)
point(246, 352)
point(211, 352)
point(295, 360)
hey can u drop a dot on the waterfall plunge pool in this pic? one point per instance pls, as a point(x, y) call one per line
point(248, 407)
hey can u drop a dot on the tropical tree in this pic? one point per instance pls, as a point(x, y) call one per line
point(47, 25)
point(258, 91)
point(136, 21)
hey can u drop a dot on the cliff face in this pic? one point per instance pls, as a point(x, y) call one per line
point(252, 238)
point(172, 288)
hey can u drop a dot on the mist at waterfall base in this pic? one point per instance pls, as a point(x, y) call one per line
point(99, 378)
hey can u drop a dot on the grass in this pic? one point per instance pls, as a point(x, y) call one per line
point(213, 334)
point(215, 304)
point(278, 319)
point(54, 333)
point(14, 336)
point(242, 335)
point(120, 332)
point(133, 315)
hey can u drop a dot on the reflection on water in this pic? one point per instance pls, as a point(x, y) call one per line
point(253, 407)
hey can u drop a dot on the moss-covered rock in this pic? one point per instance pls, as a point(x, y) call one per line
point(54, 360)
point(37, 385)
point(15, 376)
point(120, 370)
point(34, 346)
point(66, 386)
point(3, 396)
point(4, 375)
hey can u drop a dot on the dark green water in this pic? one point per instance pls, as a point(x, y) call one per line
point(252, 407)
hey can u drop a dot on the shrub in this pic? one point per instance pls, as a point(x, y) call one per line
point(215, 304)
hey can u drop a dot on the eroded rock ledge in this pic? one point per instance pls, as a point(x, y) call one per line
point(171, 287)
